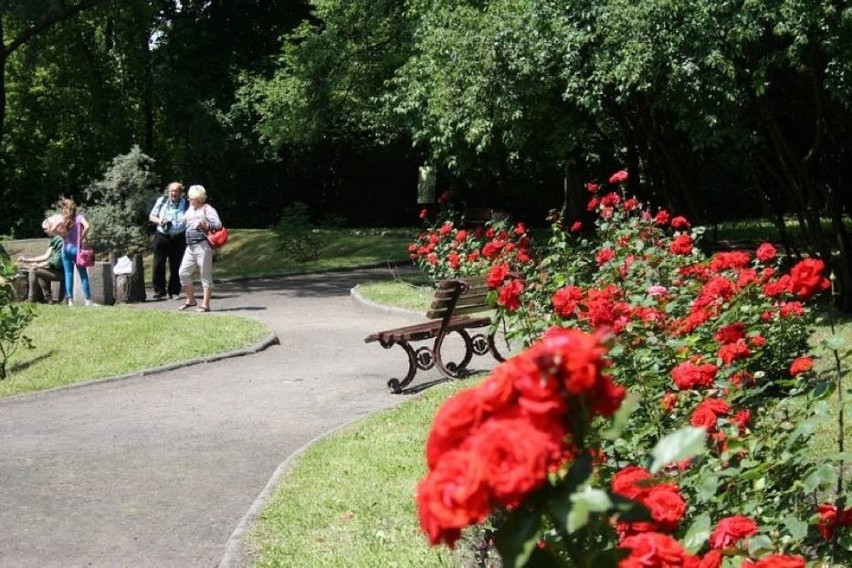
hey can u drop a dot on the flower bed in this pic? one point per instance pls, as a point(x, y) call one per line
point(661, 413)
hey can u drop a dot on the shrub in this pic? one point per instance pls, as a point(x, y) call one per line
point(15, 316)
point(118, 205)
point(664, 406)
point(298, 239)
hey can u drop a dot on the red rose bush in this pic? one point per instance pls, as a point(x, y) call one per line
point(660, 414)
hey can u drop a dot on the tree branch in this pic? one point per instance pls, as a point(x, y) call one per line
point(46, 24)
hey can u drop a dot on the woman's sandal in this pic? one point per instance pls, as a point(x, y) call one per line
point(202, 309)
point(186, 307)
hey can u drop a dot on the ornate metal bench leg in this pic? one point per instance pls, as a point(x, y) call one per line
point(454, 370)
point(395, 384)
point(492, 346)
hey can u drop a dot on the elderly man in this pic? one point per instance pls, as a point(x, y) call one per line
point(169, 239)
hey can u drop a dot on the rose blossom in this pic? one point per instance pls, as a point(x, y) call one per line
point(509, 295)
point(765, 252)
point(496, 275)
point(776, 561)
point(453, 496)
point(681, 245)
point(576, 226)
point(688, 375)
point(801, 365)
point(829, 519)
point(680, 222)
point(618, 177)
point(806, 278)
point(566, 299)
point(656, 291)
point(515, 455)
point(731, 530)
point(650, 550)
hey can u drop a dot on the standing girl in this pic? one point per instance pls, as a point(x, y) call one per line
point(74, 230)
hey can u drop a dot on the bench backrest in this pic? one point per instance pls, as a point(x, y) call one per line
point(459, 296)
point(474, 216)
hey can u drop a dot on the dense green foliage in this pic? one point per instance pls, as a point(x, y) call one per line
point(721, 109)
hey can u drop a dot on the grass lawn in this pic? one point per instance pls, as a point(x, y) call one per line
point(349, 500)
point(81, 344)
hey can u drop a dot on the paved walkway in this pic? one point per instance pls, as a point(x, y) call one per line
point(161, 470)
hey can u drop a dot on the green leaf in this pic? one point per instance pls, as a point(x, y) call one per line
point(518, 537)
point(707, 487)
point(698, 533)
point(585, 502)
point(823, 389)
point(759, 544)
point(798, 529)
point(822, 477)
point(835, 343)
point(619, 421)
point(679, 445)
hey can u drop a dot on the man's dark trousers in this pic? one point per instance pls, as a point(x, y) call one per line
point(168, 248)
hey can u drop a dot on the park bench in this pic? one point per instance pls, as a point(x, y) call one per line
point(452, 304)
point(481, 216)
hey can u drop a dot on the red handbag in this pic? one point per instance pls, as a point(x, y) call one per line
point(218, 237)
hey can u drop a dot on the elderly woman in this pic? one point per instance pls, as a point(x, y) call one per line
point(200, 218)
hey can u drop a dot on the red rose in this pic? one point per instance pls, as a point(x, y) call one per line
point(576, 226)
point(496, 275)
point(516, 457)
point(765, 252)
point(651, 550)
point(566, 299)
point(713, 559)
point(776, 561)
point(680, 222)
point(732, 351)
point(731, 333)
point(801, 365)
point(681, 245)
point(423, 213)
point(731, 530)
point(509, 295)
point(669, 401)
point(666, 505)
point(806, 278)
point(604, 256)
point(829, 519)
point(453, 423)
point(446, 229)
point(662, 217)
point(453, 496)
point(631, 482)
point(592, 187)
point(618, 177)
point(688, 375)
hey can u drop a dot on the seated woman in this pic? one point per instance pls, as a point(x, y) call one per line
point(47, 268)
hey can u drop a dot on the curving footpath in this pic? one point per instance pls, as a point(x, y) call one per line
point(166, 469)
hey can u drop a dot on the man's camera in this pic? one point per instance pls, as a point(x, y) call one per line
point(167, 225)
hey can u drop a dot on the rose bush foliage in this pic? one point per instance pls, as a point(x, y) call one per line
point(660, 415)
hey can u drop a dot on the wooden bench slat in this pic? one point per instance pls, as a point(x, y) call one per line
point(439, 314)
point(471, 300)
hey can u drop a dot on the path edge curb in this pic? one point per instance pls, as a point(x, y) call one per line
point(355, 293)
point(234, 549)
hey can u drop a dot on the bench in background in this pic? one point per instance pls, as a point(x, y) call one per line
point(452, 304)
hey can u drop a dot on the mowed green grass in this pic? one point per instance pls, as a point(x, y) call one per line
point(74, 345)
point(349, 499)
